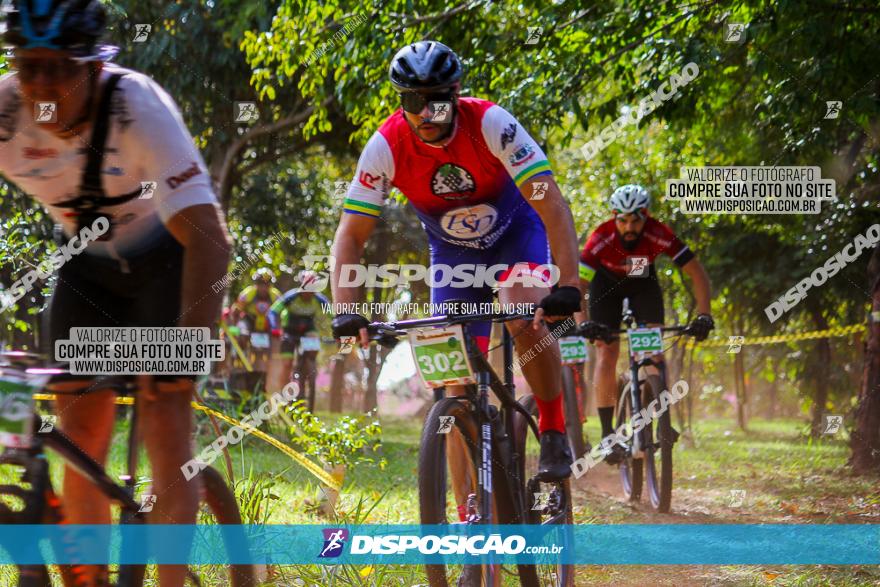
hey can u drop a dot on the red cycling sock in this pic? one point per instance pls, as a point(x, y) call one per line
point(550, 414)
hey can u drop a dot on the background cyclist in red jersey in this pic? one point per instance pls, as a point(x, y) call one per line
point(617, 262)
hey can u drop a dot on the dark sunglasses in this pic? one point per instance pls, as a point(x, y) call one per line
point(415, 102)
point(29, 68)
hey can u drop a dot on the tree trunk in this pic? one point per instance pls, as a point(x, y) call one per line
point(739, 376)
point(773, 395)
point(865, 439)
point(820, 374)
point(337, 383)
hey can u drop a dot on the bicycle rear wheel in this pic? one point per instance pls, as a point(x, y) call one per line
point(658, 452)
point(573, 425)
point(558, 508)
point(631, 472)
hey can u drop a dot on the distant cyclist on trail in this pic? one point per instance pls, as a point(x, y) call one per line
point(299, 319)
point(113, 131)
point(256, 300)
point(473, 175)
point(617, 262)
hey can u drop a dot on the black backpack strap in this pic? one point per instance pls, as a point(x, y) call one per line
point(91, 178)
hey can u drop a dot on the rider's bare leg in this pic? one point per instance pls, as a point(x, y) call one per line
point(87, 420)
point(166, 424)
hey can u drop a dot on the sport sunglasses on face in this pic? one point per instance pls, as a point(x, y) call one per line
point(415, 102)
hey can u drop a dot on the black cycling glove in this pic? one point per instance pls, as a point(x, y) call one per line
point(565, 301)
point(594, 330)
point(348, 325)
point(701, 326)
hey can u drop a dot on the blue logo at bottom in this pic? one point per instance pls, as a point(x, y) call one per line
point(334, 542)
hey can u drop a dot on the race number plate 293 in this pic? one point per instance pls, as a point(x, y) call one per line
point(573, 349)
point(440, 356)
point(645, 340)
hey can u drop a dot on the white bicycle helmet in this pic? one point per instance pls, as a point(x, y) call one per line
point(629, 198)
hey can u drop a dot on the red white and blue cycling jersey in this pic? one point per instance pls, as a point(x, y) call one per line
point(466, 192)
point(604, 249)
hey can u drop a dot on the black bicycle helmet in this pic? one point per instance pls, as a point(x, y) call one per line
point(424, 66)
point(69, 25)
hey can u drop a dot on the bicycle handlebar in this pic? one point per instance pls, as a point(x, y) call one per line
point(384, 330)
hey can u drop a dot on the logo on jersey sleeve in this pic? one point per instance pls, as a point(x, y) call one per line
point(452, 182)
point(522, 154)
point(508, 135)
point(469, 222)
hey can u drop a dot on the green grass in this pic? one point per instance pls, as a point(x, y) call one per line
point(787, 478)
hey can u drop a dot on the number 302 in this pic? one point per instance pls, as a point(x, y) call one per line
point(440, 362)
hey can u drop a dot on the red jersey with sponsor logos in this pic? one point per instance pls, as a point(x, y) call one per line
point(466, 192)
point(604, 249)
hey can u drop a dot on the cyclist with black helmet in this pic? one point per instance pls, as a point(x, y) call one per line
point(484, 192)
point(100, 145)
point(617, 262)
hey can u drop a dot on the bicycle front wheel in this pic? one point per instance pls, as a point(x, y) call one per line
point(631, 472)
point(658, 453)
point(222, 507)
point(448, 488)
point(554, 506)
point(573, 425)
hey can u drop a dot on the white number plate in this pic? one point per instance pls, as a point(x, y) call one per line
point(310, 343)
point(260, 340)
point(440, 356)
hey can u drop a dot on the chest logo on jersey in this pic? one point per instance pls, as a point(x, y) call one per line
point(452, 182)
point(469, 222)
point(522, 154)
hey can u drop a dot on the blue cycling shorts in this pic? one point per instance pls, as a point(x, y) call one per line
point(526, 243)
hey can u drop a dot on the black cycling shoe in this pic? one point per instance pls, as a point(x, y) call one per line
point(616, 455)
point(555, 461)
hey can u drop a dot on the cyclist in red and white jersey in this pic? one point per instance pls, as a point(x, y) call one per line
point(102, 146)
point(617, 262)
point(484, 192)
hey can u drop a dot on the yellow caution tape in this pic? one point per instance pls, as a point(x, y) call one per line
point(314, 469)
point(311, 467)
point(237, 348)
point(754, 340)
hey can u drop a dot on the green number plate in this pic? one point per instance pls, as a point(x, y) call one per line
point(573, 349)
point(645, 340)
point(440, 356)
point(16, 409)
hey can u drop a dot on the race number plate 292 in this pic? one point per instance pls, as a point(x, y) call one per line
point(440, 356)
point(645, 340)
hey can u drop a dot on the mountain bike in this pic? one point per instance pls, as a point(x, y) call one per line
point(648, 453)
point(24, 435)
point(305, 350)
point(494, 480)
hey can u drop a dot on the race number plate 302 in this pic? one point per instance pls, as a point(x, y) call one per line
point(645, 340)
point(573, 349)
point(440, 356)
